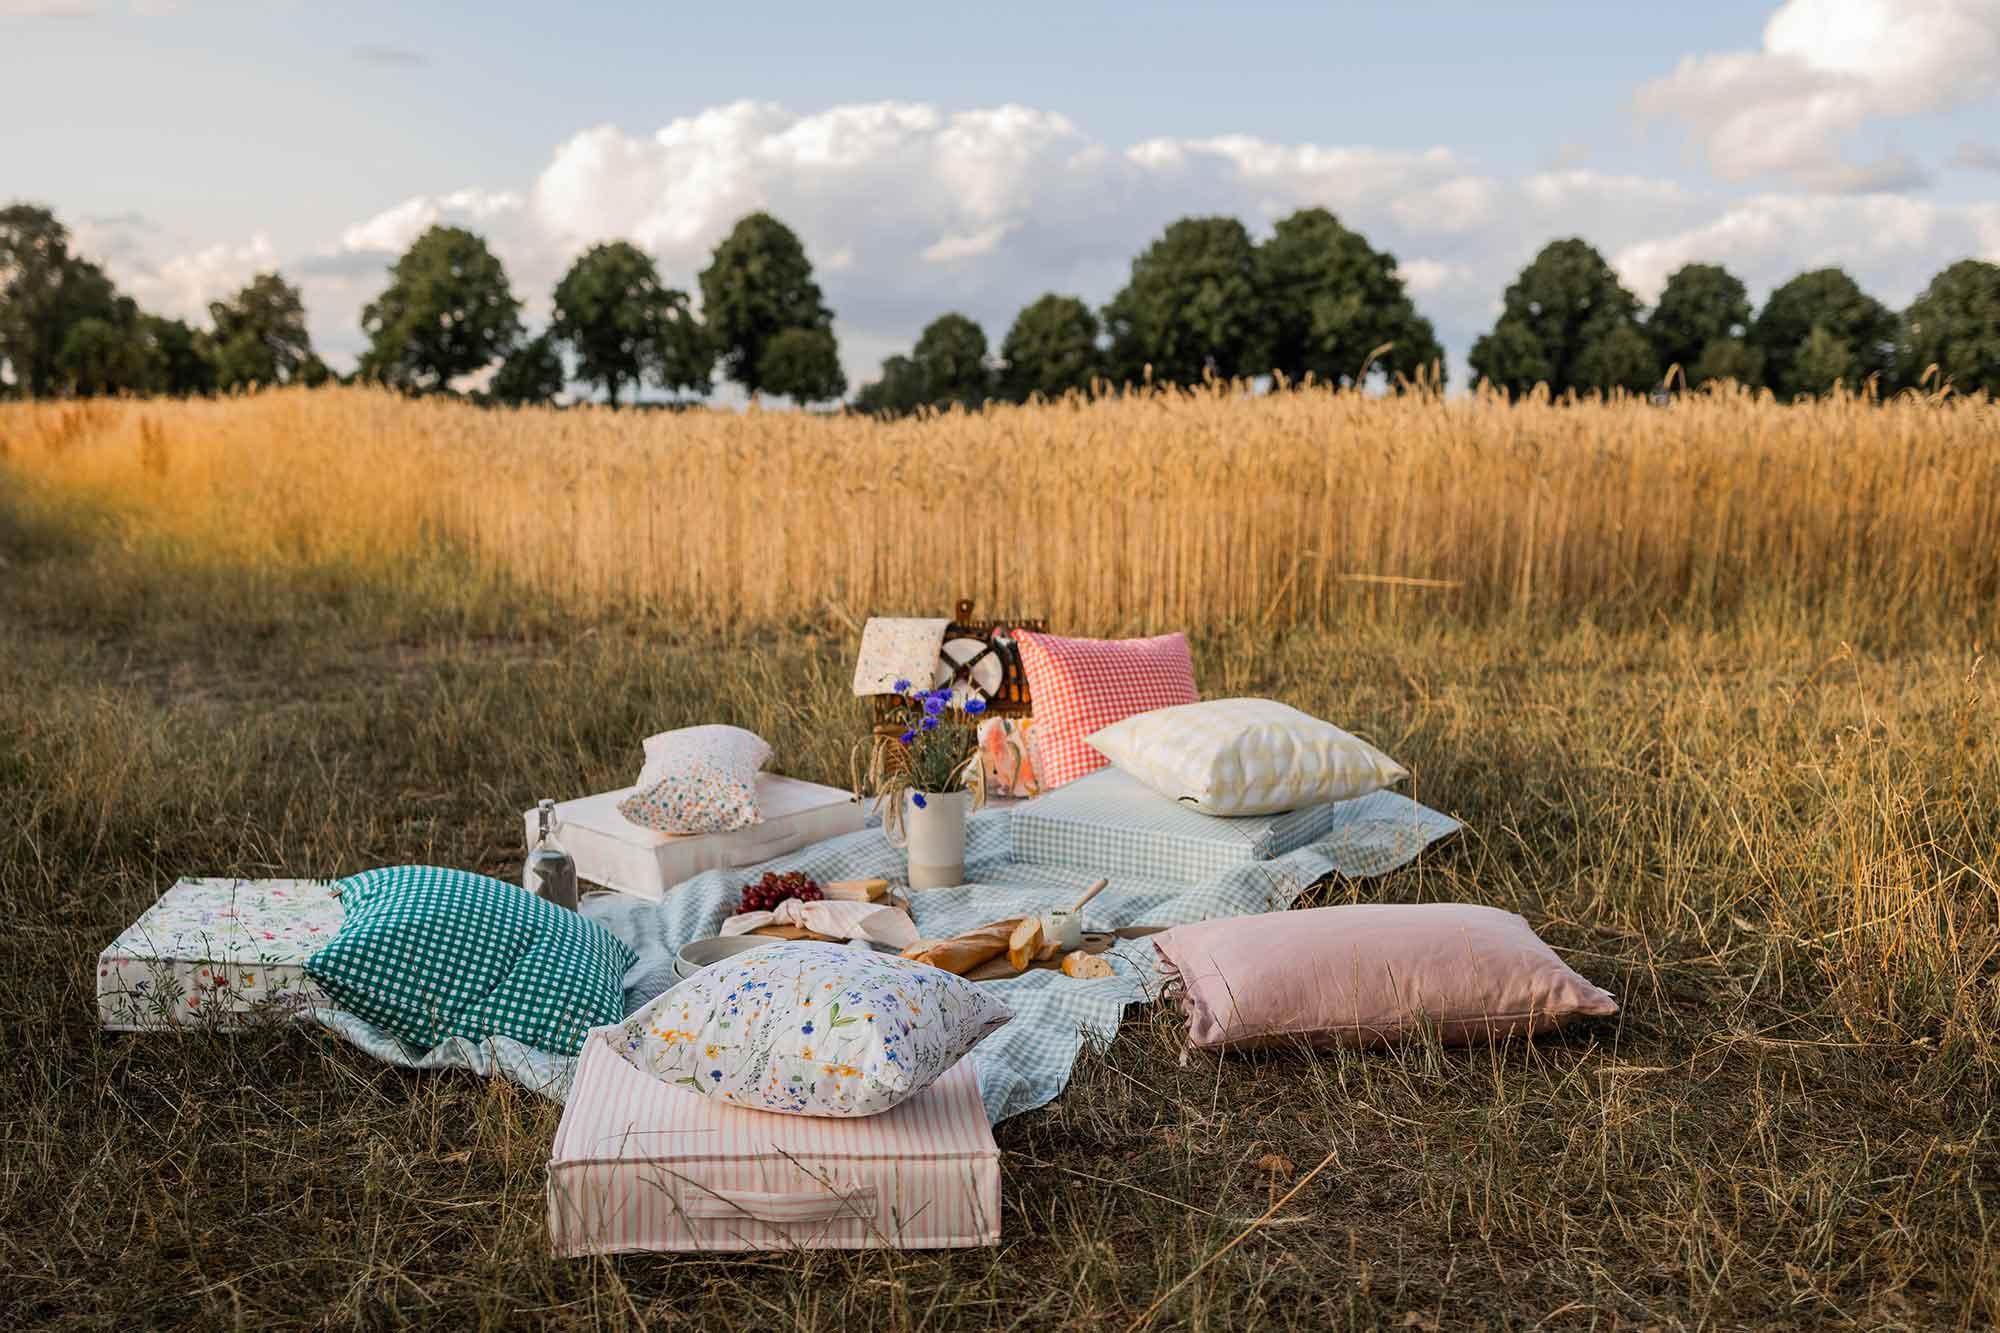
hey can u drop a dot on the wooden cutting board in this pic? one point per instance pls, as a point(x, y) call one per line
point(997, 968)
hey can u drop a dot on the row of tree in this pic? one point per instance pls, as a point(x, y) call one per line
point(448, 312)
point(1317, 298)
point(1314, 299)
point(65, 328)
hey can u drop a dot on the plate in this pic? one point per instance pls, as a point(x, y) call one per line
point(987, 675)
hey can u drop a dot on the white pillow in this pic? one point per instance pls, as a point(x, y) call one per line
point(810, 1028)
point(1245, 757)
point(698, 780)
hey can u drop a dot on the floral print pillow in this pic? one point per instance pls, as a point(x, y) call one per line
point(810, 1029)
point(698, 780)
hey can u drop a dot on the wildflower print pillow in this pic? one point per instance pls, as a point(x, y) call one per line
point(698, 780)
point(809, 1028)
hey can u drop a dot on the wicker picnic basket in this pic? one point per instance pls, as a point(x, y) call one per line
point(892, 715)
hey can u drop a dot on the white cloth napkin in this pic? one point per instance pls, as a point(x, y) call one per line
point(898, 649)
point(836, 917)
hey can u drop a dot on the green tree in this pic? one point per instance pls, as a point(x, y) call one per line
point(1701, 304)
point(803, 365)
point(1955, 326)
point(448, 311)
point(45, 291)
point(897, 392)
point(759, 284)
point(100, 357)
point(1564, 301)
point(1828, 300)
point(1331, 299)
point(1728, 359)
point(531, 375)
point(625, 327)
point(1190, 306)
point(1621, 359)
point(951, 356)
point(1050, 350)
point(1822, 360)
point(260, 334)
point(179, 357)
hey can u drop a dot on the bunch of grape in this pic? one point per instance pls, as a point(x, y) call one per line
point(768, 892)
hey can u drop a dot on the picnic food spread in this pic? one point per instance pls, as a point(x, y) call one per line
point(719, 1035)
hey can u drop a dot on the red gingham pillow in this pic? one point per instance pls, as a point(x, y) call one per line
point(1079, 686)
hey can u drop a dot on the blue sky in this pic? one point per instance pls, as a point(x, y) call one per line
point(937, 158)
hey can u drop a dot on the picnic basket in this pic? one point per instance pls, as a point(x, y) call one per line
point(891, 714)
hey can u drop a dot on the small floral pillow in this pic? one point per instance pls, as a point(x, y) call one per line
point(810, 1029)
point(1007, 756)
point(698, 780)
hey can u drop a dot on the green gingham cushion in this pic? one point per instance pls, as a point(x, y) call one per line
point(429, 954)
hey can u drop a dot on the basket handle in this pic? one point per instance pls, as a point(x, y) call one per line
point(781, 1209)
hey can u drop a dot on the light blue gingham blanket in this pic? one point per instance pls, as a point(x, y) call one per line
point(1027, 1063)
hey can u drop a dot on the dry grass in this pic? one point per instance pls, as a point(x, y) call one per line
point(1210, 508)
point(1774, 830)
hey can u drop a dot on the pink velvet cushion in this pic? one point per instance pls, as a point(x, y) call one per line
point(1368, 974)
point(1084, 685)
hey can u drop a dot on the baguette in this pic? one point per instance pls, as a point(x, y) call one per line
point(1025, 946)
point(1078, 963)
point(965, 952)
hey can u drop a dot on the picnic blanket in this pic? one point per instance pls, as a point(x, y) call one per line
point(1027, 1063)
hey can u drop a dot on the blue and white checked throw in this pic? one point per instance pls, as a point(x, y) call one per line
point(1027, 1063)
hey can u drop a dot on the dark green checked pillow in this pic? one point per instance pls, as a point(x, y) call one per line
point(428, 954)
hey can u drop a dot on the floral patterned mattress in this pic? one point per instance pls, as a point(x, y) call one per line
point(217, 953)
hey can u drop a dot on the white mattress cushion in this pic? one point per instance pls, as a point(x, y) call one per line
point(640, 1165)
point(614, 853)
point(1113, 824)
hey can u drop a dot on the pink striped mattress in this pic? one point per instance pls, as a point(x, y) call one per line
point(640, 1165)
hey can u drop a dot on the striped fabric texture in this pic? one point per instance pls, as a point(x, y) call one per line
point(640, 1165)
point(429, 954)
point(1081, 686)
point(1245, 757)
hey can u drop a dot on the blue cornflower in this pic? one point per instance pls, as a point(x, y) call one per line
point(902, 687)
point(975, 706)
point(934, 704)
point(715, 1074)
point(806, 1028)
point(909, 736)
point(930, 724)
point(918, 797)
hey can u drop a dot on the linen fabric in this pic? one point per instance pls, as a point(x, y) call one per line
point(428, 954)
point(698, 780)
point(1081, 686)
point(810, 1028)
point(1245, 757)
point(1114, 824)
point(1007, 757)
point(1370, 974)
point(638, 1165)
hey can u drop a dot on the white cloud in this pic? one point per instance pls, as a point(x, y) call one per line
point(1977, 156)
point(908, 210)
point(1826, 68)
point(1891, 245)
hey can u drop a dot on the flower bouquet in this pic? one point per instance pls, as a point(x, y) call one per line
point(926, 799)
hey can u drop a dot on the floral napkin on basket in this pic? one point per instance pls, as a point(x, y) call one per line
point(894, 650)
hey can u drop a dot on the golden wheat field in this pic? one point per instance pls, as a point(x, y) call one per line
point(1208, 508)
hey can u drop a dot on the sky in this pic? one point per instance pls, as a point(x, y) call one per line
point(939, 158)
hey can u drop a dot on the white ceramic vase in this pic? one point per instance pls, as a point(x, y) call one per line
point(934, 835)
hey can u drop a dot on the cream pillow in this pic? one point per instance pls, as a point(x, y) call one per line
point(1245, 757)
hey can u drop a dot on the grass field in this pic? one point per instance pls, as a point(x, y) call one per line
point(1756, 794)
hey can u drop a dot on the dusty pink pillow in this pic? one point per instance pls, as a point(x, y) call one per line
point(1368, 974)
